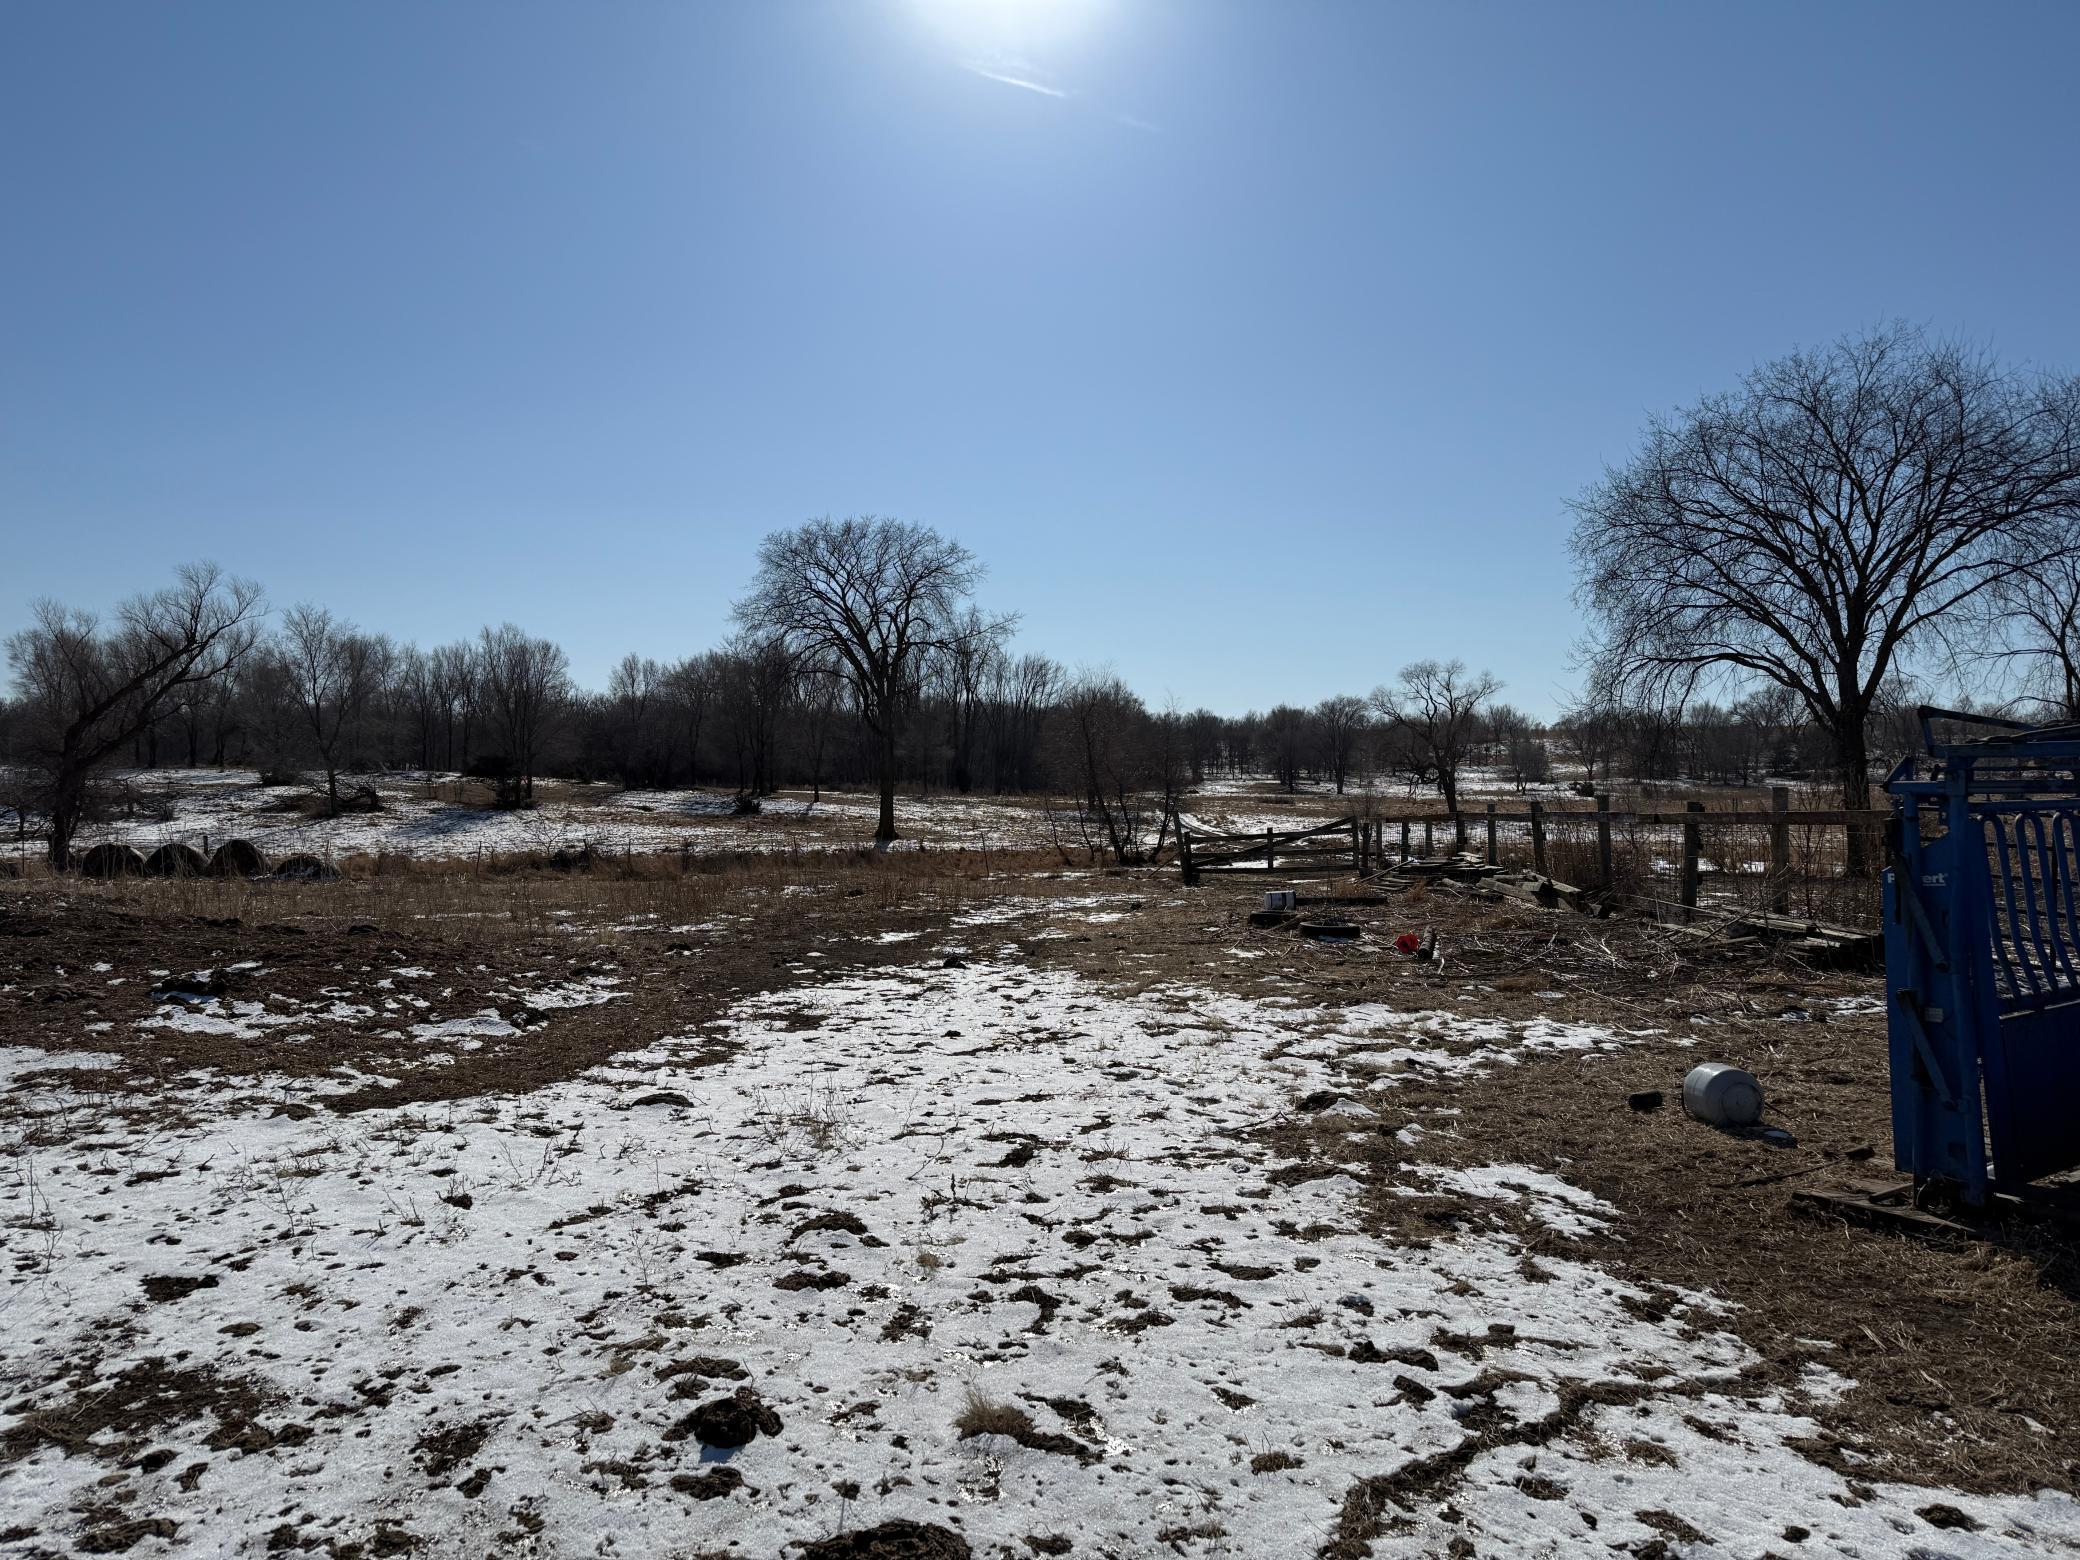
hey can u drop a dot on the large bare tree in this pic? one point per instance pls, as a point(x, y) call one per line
point(89, 689)
point(630, 716)
point(1341, 721)
point(872, 597)
point(525, 682)
point(337, 671)
point(1812, 528)
point(1435, 707)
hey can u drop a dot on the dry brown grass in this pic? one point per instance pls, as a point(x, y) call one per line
point(981, 1415)
point(495, 900)
point(1646, 864)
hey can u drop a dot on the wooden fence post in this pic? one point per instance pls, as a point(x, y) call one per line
point(1492, 859)
point(1184, 854)
point(1538, 838)
point(1429, 843)
point(1693, 839)
point(1404, 839)
point(1603, 839)
point(1357, 849)
point(1780, 851)
point(1270, 853)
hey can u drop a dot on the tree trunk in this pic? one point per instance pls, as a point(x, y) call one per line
point(885, 828)
point(67, 800)
point(1448, 782)
point(1852, 753)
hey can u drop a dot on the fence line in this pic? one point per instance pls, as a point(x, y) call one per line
point(1798, 860)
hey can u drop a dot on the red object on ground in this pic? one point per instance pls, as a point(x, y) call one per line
point(1408, 942)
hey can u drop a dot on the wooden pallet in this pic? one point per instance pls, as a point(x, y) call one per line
point(1888, 1203)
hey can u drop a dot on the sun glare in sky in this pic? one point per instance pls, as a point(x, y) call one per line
point(1010, 28)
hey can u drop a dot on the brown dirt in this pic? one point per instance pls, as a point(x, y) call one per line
point(118, 1417)
point(475, 932)
point(1962, 1353)
point(899, 1540)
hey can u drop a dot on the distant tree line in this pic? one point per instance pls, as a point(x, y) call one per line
point(1762, 583)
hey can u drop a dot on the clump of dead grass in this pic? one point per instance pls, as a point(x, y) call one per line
point(519, 896)
point(981, 1415)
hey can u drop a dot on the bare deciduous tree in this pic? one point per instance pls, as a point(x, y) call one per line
point(335, 672)
point(1811, 528)
point(1283, 735)
point(1521, 744)
point(458, 685)
point(1106, 749)
point(1341, 721)
point(818, 700)
point(963, 674)
point(757, 686)
point(2037, 612)
point(1021, 693)
point(1590, 732)
point(635, 690)
point(87, 690)
point(525, 682)
point(690, 687)
point(1436, 706)
point(874, 597)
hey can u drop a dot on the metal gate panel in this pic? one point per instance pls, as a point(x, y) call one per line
point(1982, 956)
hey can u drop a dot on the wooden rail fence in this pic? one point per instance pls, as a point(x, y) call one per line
point(1360, 845)
point(1332, 847)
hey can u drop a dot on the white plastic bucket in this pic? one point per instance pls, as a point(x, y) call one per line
point(1722, 1096)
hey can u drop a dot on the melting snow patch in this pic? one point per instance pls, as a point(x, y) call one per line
point(471, 1031)
point(1552, 1201)
point(588, 992)
point(875, 1202)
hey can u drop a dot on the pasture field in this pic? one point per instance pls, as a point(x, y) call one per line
point(963, 1202)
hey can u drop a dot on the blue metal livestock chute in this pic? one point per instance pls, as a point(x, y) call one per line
point(1982, 956)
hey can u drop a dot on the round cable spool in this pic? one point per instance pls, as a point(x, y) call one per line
point(1722, 1096)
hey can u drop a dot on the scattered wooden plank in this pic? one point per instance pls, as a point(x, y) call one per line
point(1550, 893)
point(1888, 1203)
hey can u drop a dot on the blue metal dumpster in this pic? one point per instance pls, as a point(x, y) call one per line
point(1982, 954)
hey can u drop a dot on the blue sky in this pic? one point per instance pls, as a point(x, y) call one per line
point(1256, 348)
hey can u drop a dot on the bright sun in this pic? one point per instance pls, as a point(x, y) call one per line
point(1016, 27)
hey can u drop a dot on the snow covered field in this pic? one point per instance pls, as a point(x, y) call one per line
point(963, 1242)
point(230, 804)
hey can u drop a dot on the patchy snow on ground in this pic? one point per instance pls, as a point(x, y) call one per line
point(195, 806)
point(981, 1246)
